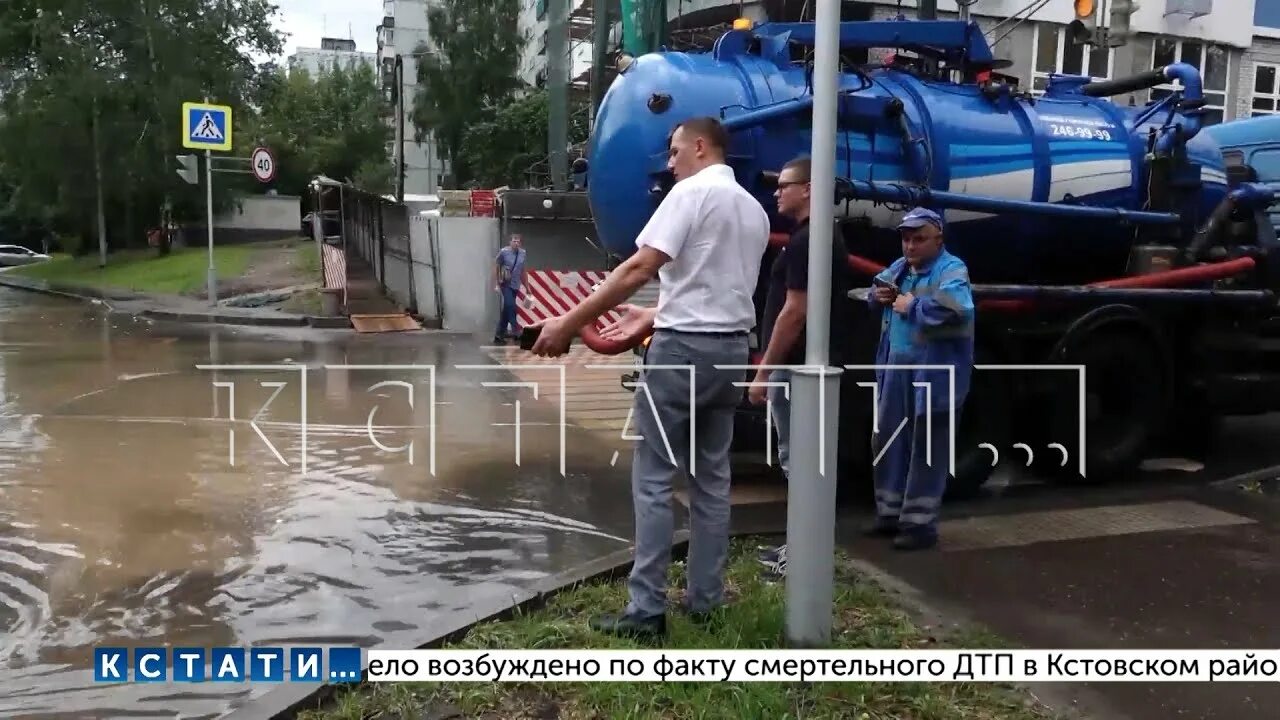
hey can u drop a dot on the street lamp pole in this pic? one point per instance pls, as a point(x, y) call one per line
point(557, 92)
point(399, 128)
point(811, 494)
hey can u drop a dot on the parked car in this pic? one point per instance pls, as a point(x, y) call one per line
point(12, 255)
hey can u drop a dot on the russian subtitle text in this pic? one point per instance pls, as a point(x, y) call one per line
point(823, 665)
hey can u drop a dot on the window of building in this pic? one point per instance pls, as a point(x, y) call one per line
point(1266, 89)
point(1054, 53)
point(1214, 64)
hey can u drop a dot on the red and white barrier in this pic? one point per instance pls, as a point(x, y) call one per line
point(548, 293)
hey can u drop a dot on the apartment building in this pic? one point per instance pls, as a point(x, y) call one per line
point(1205, 33)
point(1239, 61)
point(1259, 76)
point(332, 52)
point(403, 29)
point(533, 25)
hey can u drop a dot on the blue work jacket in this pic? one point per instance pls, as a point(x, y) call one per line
point(938, 329)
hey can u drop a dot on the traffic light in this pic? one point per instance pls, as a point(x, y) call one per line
point(1121, 20)
point(1084, 29)
point(189, 169)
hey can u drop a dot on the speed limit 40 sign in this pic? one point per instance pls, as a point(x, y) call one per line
point(264, 165)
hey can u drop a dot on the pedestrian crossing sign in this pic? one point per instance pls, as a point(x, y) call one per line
point(206, 127)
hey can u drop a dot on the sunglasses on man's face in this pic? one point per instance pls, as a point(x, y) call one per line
point(785, 185)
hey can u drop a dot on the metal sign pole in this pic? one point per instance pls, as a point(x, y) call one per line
point(208, 181)
point(202, 131)
point(811, 494)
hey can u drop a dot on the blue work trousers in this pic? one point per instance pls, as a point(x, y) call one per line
point(507, 315)
point(912, 454)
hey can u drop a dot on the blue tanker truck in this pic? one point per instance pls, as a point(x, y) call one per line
point(1097, 235)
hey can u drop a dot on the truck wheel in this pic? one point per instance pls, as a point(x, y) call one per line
point(984, 419)
point(854, 480)
point(1125, 406)
point(1192, 431)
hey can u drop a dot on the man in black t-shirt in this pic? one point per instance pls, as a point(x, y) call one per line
point(783, 323)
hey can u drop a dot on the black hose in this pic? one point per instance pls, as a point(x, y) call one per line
point(1093, 294)
point(1141, 81)
point(1206, 235)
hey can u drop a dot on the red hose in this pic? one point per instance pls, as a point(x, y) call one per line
point(862, 265)
point(591, 338)
point(1170, 278)
point(1181, 276)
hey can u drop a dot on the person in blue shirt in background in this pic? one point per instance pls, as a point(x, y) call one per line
point(927, 319)
point(508, 274)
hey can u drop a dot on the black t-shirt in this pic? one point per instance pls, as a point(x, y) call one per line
point(790, 271)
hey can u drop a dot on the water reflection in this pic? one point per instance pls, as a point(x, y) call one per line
point(138, 505)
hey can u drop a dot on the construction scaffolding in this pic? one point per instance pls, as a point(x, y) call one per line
point(585, 88)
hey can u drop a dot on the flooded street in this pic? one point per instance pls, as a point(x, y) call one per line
point(141, 503)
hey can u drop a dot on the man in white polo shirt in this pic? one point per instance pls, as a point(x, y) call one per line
point(705, 242)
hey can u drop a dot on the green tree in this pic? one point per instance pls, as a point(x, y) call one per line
point(502, 149)
point(473, 68)
point(90, 104)
point(334, 124)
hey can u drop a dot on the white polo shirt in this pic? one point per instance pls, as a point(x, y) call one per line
point(715, 233)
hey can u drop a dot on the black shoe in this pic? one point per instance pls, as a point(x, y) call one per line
point(702, 617)
point(499, 341)
point(625, 625)
point(915, 541)
point(773, 556)
point(881, 528)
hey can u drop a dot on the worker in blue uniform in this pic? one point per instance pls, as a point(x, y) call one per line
point(927, 319)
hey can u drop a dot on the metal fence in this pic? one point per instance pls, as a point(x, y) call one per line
point(381, 241)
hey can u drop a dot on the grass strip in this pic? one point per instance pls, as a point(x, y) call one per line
point(182, 271)
point(866, 618)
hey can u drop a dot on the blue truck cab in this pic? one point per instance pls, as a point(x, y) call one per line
point(1251, 149)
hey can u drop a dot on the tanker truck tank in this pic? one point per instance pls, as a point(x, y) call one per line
point(971, 148)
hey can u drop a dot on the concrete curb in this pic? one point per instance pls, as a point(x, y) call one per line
point(44, 288)
point(219, 318)
point(1266, 473)
point(290, 699)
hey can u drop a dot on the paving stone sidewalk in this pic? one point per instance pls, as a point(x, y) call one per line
point(1177, 564)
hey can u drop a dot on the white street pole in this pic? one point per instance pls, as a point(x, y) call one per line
point(208, 187)
point(811, 496)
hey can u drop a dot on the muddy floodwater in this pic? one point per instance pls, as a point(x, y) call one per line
point(140, 506)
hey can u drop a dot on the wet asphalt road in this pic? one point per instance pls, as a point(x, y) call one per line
point(1165, 561)
point(135, 512)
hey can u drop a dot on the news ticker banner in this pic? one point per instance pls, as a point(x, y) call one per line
point(346, 665)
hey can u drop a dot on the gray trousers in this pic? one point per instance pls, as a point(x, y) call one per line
point(780, 413)
point(666, 437)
